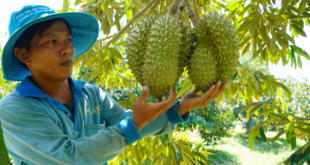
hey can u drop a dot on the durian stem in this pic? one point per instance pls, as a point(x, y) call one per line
point(180, 11)
point(196, 11)
point(118, 34)
point(174, 7)
point(191, 13)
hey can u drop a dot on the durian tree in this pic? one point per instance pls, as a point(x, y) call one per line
point(265, 28)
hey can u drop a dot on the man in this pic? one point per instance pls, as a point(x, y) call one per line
point(52, 119)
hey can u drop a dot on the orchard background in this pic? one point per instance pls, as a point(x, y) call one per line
point(257, 110)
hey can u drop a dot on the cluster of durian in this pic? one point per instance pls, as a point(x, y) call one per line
point(158, 49)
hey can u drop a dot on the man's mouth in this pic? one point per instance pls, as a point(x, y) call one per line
point(67, 63)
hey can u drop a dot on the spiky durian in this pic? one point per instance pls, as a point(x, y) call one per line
point(217, 33)
point(202, 68)
point(136, 44)
point(165, 54)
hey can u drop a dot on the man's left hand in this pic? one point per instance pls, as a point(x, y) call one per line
point(191, 100)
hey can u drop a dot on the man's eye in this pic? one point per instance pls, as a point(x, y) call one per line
point(69, 40)
point(52, 41)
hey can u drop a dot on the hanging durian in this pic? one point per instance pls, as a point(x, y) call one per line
point(136, 43)
point(215, 37)
point(159, 55)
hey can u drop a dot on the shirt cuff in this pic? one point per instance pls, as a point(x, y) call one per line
point(130, 130)
point(174, 116)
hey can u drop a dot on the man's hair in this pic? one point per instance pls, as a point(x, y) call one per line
point(25, 39)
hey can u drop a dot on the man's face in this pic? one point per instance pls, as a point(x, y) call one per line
point(51, 53)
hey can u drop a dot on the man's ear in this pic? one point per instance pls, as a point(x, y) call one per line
point(22, 55)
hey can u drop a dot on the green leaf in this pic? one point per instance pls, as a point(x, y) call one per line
point(293, 140)
point(133, 99)
point(262, 134)
point(252, 137)
point(165, 137)
point(299, 30)
point(292, 51)
point(137, 4)
point(4, 156)
point(247, 106)
point(116, 53)
point(102, 6)
point(244, 25)
point(286, 36)
point(295, 159)
point(285, 4)
point(277, 136)
point(305, 158)
point(77, 2)
point(302, 6)
point(301, 52)
point(122, 43)
point(254, 24)
point(246, 49)
point(110, 16)
point(185, 86)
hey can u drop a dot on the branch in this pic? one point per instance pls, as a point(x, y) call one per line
point(173, 7)
point(153, 7)
point(191, 13)
point(182, 4)
point(196, 11)
point(97, 4)
point(124, 77)
point(119, 33)
point(110, 36)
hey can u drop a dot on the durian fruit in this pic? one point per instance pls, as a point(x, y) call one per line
point(216, 33)
point(202, 68)
point(136, 44)
point(166, 52)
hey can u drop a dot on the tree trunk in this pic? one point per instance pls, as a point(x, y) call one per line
point(4, 156)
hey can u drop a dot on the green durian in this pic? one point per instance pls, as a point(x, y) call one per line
point(165, 54)
point(136, 45)
point(216, 33)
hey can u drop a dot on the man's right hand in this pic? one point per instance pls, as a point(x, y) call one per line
point(143, 113)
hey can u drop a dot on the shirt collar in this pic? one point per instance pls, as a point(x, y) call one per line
point(28, 89)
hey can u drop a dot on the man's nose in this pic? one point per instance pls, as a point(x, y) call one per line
point(66, 48)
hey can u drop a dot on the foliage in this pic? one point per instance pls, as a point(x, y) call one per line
point(4, 156)
point(170, 149)
point(212, 123)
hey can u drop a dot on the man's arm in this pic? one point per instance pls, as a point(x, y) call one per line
point(114, 114)
point(33, 136)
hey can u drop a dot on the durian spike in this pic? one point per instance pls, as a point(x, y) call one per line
point(173, 7)
point(191, 13)
point(182, 6)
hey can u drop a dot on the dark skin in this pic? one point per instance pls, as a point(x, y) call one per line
point(50, 60)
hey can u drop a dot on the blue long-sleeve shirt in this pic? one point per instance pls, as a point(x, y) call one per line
point(40, 130)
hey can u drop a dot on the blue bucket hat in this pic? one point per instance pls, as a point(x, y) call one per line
point(84, 28)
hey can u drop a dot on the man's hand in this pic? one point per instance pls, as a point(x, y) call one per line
point(143, 112)
point(192, 101)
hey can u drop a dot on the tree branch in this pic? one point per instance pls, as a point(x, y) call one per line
point(153, 7)
point(119, 33)
point(196, 11)
point(191, 13)
point(110, 36)
point(173, 7)
point(180, 11)
point(98, 3)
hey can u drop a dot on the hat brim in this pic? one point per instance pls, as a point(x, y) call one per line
point(84, 28)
